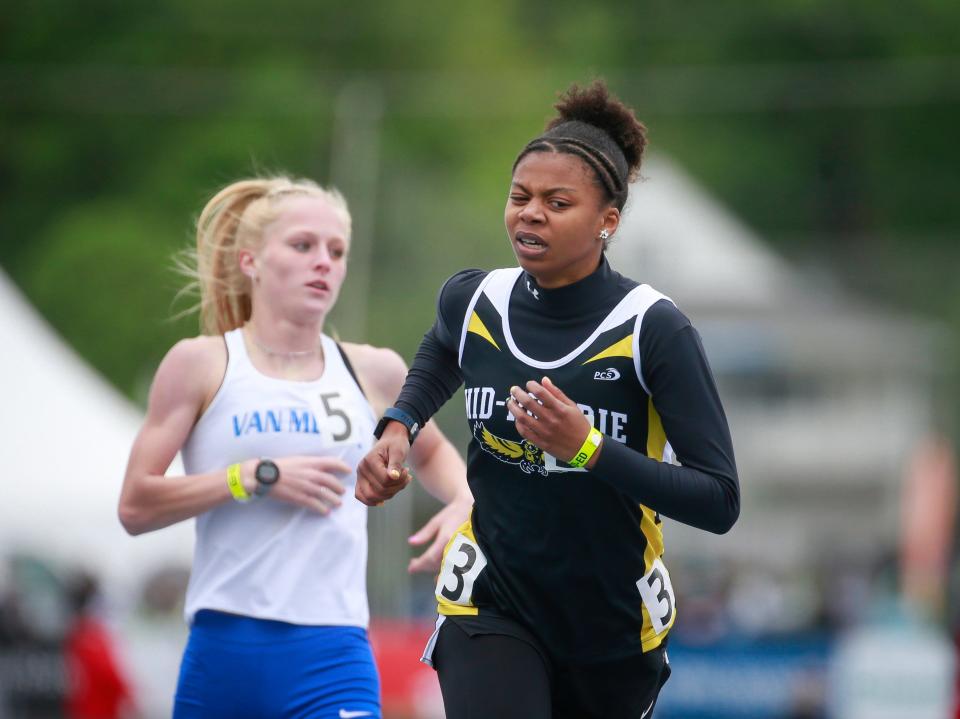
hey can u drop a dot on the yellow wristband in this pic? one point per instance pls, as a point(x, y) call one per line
point(237, 489)
point(590, 445)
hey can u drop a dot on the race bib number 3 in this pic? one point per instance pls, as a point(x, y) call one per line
point(656, 592)
point(461, 566)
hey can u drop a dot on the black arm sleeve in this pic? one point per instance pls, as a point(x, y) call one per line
point(704, 492)
point(435, 374)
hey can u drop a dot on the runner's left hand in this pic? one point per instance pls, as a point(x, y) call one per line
point(548, 418)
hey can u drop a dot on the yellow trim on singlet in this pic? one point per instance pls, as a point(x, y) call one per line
point(656, 437)
point(444, 606)
point(478, 328)
point(656, 443)
point(623, 348)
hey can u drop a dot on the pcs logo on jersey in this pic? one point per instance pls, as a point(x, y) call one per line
point(529, 456)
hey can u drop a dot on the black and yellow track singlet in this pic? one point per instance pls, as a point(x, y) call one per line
point(547, 541)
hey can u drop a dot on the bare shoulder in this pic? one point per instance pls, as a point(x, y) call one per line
point(381, 372)
point(191, 370)
point(370, 357)
point(196, 353)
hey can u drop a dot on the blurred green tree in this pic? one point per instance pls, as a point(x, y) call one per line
point(828, 127)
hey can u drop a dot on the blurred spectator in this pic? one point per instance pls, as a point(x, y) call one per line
point(32, 623)
point(97, 686)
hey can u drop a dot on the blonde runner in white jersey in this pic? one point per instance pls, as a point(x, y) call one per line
point(272, 420)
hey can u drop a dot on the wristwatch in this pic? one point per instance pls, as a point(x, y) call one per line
point(267, 474)
point(398, 415)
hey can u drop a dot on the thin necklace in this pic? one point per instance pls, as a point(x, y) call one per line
point(278, 353)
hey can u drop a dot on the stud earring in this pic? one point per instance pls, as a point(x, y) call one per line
point(604, 235)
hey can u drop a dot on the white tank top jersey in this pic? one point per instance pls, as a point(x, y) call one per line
point(267, 558)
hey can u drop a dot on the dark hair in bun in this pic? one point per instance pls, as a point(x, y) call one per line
point(601, 130)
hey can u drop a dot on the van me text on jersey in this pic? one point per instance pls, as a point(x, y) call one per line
point(284, 419)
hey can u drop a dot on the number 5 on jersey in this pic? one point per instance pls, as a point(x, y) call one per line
point(461, 566)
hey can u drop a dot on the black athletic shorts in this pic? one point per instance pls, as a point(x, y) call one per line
point(493, 668)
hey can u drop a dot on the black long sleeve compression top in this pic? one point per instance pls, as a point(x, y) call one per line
point(703, 491)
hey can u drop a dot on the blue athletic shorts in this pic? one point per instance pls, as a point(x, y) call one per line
point(238, 667)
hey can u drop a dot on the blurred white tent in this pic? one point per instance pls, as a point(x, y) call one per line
point(66, 434)
point(679, 239)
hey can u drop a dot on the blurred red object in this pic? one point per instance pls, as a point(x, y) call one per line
point(928, 515)
point(409, 688)
point(96, 686)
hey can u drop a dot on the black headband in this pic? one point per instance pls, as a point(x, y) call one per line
point(594, 146)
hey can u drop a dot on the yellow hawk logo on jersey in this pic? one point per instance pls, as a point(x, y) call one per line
point(526, 454)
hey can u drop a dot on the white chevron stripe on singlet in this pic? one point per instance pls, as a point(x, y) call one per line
point(498, 285)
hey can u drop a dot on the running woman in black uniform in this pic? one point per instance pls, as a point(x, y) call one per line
point(593, 412)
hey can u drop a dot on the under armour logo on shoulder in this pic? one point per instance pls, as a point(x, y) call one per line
point(533, 291)
point(609, 374)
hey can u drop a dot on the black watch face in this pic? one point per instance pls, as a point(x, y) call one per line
point(267, 472)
